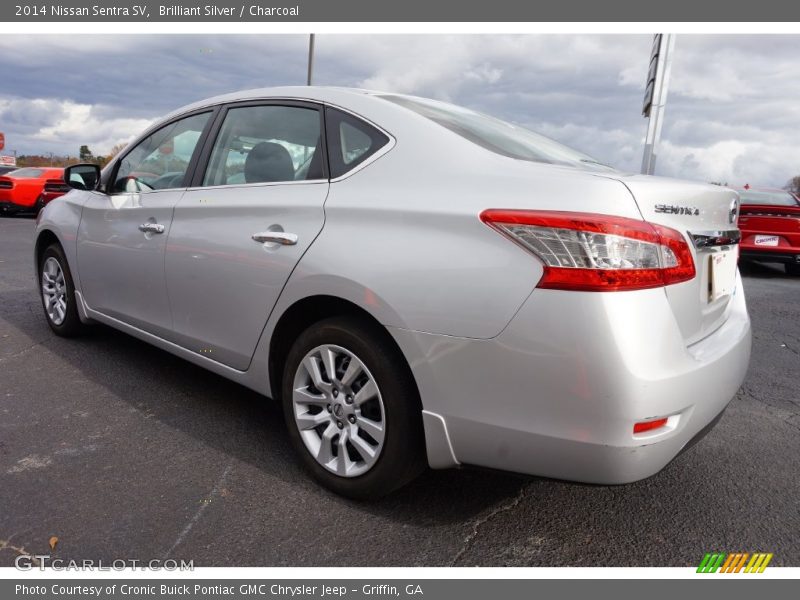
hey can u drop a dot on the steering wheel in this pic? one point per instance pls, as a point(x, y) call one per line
point(167, 180)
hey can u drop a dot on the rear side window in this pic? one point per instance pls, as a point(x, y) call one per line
point(267, 144)
point(351, 141)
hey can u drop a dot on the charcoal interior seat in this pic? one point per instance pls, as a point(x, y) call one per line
point(266, 162)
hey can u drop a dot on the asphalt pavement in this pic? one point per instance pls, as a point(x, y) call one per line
point(123, 451)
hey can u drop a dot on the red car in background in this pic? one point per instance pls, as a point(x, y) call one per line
point(770, 224)
point(29, 189)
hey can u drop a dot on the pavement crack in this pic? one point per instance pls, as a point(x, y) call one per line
point(201, 509)
point(511, 504)
point(19, 550)
point(21, 352)
point(746, 391)
point(788, 347)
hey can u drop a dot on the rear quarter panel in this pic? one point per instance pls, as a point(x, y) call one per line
point(403, 238)
point(26, 191)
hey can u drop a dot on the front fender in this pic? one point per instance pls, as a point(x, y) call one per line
point(61, 218)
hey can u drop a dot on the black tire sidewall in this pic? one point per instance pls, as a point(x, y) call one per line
point(402, 455)
point(72, 324)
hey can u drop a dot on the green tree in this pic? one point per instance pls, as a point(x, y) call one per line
point(794, 185)
point(85, 154)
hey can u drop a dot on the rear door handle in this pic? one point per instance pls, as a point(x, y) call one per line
point(151, 228)
point(276, 237)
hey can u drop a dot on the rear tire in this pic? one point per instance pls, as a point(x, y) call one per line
point(358, 432)
point(792, 269)
point(57, 292)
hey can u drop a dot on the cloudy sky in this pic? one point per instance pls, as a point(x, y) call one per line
point(733, 113)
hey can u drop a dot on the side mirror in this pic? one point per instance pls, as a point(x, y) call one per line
point(82, 177)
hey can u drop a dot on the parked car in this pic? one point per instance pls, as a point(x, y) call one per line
point(415, 282)
point(29, 189)
point(770, 223)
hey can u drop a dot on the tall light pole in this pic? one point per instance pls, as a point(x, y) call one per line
point(655, 96)
point(310, 58)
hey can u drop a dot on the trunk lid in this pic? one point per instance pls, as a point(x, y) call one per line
point(706, 216)
point(760, 220)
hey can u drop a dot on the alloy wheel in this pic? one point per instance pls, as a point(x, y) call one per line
point(54, 291)
point(339, 410)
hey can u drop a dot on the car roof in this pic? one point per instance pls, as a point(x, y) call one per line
point(297, 92)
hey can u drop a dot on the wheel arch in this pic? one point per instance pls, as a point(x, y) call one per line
point(302, 314)
point(44, 238)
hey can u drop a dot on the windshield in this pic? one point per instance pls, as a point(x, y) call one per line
point(496, 135)
point(775, 198)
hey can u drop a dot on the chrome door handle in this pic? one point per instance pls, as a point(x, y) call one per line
point(151, 228)
point(276, 237)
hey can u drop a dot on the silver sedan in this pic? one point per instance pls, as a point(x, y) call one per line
point(416, 283)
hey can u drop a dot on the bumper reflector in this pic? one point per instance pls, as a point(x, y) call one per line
point(649, 425)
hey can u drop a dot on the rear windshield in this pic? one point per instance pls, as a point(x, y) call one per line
point(26, 173)
point(496, 135)
point(775, 198)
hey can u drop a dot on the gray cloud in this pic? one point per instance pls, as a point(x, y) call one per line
point(731, 113)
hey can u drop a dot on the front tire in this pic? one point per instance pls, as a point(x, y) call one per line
point(352, 409)
point(58, 292)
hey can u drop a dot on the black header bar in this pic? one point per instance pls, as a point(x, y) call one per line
point(441, 11)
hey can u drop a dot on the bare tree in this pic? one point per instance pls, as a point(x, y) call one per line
point(793, 185)
point(114, 151)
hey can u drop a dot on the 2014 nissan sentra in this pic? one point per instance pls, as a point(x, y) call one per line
point(417, 284)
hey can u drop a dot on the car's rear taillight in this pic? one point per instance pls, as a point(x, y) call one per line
point(594, 252)
point(56, 186)
point(6, 183)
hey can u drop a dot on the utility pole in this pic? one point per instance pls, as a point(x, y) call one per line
point(310, 57)
point(655, 96)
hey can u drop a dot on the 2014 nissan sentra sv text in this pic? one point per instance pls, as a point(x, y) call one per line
point(417, 284)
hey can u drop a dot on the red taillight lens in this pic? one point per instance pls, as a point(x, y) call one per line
point(56, 186)
point(594, 252)
point(645, 426)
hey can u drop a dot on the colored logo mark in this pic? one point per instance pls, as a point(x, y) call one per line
point(735, 562)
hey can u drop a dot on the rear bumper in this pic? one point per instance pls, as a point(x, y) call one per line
point(778, 254)
point(556, 394)
point(11, 207)
point(15, 200)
